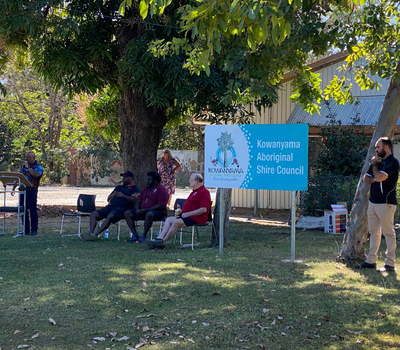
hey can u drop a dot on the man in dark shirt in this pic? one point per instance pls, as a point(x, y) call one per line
point(120, 199)
point(382, 175)
point(151, 206)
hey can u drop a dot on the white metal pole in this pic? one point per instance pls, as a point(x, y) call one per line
point(221, 221)
point(293, 228)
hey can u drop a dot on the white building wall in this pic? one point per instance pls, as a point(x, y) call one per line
point(279, 114)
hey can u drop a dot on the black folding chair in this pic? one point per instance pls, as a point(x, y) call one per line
point(85, 206)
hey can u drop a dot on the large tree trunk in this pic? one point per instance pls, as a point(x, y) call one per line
point(224, 195)
point(357, 229)
point(141, 129)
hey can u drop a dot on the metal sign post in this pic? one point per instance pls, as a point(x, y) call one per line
point(292, 230)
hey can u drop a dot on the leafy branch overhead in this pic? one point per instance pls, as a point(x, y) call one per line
point(264, 40)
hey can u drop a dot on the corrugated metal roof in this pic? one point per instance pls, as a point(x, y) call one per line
point(368, 110)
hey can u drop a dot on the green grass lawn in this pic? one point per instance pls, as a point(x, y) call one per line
point(124, 295)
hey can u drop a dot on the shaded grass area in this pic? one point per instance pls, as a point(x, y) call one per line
point(245, 298)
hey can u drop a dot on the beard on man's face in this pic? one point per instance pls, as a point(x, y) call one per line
point(381, 154)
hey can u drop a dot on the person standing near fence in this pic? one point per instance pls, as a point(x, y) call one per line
point(382, 175)
point(167, 167)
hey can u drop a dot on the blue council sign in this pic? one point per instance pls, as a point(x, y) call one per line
point(265, 157)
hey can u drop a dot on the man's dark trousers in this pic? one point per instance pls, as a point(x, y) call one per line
point(31, 210)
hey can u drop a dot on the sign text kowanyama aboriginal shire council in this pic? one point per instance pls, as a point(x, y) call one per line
point(278, 144)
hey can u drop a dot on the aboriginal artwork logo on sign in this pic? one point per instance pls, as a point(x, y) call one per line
point(257, 156)
point(228, 161)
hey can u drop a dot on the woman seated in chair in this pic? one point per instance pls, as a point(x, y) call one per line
point(194, 211)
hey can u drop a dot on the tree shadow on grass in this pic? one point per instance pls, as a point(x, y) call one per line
point(243, 298)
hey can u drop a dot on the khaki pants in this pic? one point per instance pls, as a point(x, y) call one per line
point(380, 221)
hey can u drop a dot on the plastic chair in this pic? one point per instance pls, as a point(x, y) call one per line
point(194, 229)
point(140, 223)
point(85, 206)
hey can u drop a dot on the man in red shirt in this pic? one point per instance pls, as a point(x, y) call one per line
point(151, 206)
point(194, 211)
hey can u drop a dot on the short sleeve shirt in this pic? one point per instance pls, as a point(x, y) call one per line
point(128, 190)
point(385, 191)
point(34, 181)
point(199, 198)
point(151, 197)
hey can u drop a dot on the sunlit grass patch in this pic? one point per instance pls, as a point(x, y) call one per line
point(244, 298)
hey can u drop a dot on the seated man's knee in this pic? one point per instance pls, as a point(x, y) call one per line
point(149, 215)
point(110, 216)
point(95, 215)
point(128, 214)
point(170, 220)
point(177, 224)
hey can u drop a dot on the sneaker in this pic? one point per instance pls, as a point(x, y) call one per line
point(155, 243)
point(88, 236)
point(134, 238)
point(150, 244)
point(387, 268)
point(141, 239)
point(366, 266)
point(33, 233)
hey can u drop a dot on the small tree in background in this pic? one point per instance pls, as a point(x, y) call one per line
point(341, 157)
point(344, 147)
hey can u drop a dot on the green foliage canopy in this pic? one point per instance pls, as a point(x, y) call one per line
point(264, 40)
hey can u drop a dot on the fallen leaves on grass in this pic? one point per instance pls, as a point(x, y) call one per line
point(17, 331)
point(52, 321)
point(123, 338)
point(142, 342)
point(381, 314)
point(35, 336)
point(99, 339)
point(354, 332)
point(145, 316)
point(23, 346)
